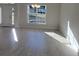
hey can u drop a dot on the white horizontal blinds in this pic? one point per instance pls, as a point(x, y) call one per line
point(0, 15)
point(37, 14)
point(13, 16)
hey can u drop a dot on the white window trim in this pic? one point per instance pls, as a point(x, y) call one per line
point(39, 22)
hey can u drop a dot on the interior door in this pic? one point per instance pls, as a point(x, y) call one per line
point(6, 11)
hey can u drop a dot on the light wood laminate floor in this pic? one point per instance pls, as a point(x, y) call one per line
point(30, 42)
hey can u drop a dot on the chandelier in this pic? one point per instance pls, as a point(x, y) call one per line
point(35, 6)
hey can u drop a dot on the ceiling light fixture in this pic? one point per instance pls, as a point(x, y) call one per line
point(35, 6)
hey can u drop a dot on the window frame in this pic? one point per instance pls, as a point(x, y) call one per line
point(45, 21)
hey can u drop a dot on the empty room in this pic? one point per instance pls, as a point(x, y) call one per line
point(39, 29)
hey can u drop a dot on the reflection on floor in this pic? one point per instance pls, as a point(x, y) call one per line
point(29, 42)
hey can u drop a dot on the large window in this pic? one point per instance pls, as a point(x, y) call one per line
point(0, 15)
point(37, 14)
point(13, 15)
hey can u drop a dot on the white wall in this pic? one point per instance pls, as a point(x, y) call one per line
point(52, 17)
point(70, 12)
point(6, 14)
point(67, 12)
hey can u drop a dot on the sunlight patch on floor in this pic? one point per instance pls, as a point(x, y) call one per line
point(71, 38)
point(14, 34)
point(57, 37)
point(62, 40)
